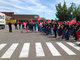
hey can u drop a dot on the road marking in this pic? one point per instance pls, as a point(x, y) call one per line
point(2, 46)
point(73, 45)
point(67, 50)
point(25, 50)
point(77, 43)
point(10, 51)
point(53, 50)
point(39, 50)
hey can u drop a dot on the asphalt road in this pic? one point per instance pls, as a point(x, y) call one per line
point(35, 46)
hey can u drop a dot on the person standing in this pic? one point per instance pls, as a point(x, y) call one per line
point(19, 25)
point(36, 27)
point(52, 28)
point(27, 26)
point(59, 32)
point(55, 30)
point(40, 26)
point(67, 33)
point(31, 26)
point(10, 26)
point(16, 26)
point(63, 31)
point(77, 33)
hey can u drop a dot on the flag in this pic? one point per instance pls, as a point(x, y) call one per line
point(48, 20)
point(17, 21)
point(67, 22)
point(31, 20)
point(60, 22)
point(39, 18)
point(78, 22)
point(72, 21)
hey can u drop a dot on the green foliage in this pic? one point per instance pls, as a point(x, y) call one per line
point(64, 13)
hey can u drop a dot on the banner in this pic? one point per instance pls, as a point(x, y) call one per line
point(60, 22)
point(72, 21)
point(78, 22)
point(13, 21)
point(48, 20)
point(67, 22)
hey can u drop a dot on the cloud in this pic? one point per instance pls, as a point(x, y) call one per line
point(68, 2)
point(18, 6)
point(13, 4)
point(33, 6)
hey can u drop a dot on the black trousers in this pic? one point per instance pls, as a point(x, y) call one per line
point(10, 29)
point(75, 36)
point(55, 32)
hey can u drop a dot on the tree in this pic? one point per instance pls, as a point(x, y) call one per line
point(62, 12)
point(66, 14)
point(59, 11)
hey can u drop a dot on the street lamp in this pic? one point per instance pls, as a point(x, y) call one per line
point(72, 14)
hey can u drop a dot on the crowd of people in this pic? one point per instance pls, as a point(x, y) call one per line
point(60, 30)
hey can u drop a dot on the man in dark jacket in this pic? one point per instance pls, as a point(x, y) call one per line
point(55, 30)
point(10, 26)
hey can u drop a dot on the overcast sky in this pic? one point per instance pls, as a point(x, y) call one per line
point(44, 8)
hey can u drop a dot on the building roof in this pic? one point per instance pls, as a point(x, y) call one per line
point(2, 13)
point(8, 13)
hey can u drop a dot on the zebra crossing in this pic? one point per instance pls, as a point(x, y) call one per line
point(53, 50)
point(39, 51)
point(25, 50)
point(10, 51)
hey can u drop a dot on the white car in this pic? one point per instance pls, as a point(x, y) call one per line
point(2, 21)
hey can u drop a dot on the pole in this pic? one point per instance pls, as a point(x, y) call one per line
point(72, 10)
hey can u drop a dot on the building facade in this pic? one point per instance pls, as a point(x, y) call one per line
point(26, 18)
point(22, 17)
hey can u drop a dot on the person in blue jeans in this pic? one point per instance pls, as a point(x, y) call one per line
point(67, 33)
point(63, 32)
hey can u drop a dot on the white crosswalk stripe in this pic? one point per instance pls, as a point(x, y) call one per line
point(39, 50)
point(10, 51)
point(2, 46)
point(66, 49)
point(74, 46)
point(53, 50)
point(25, 50)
